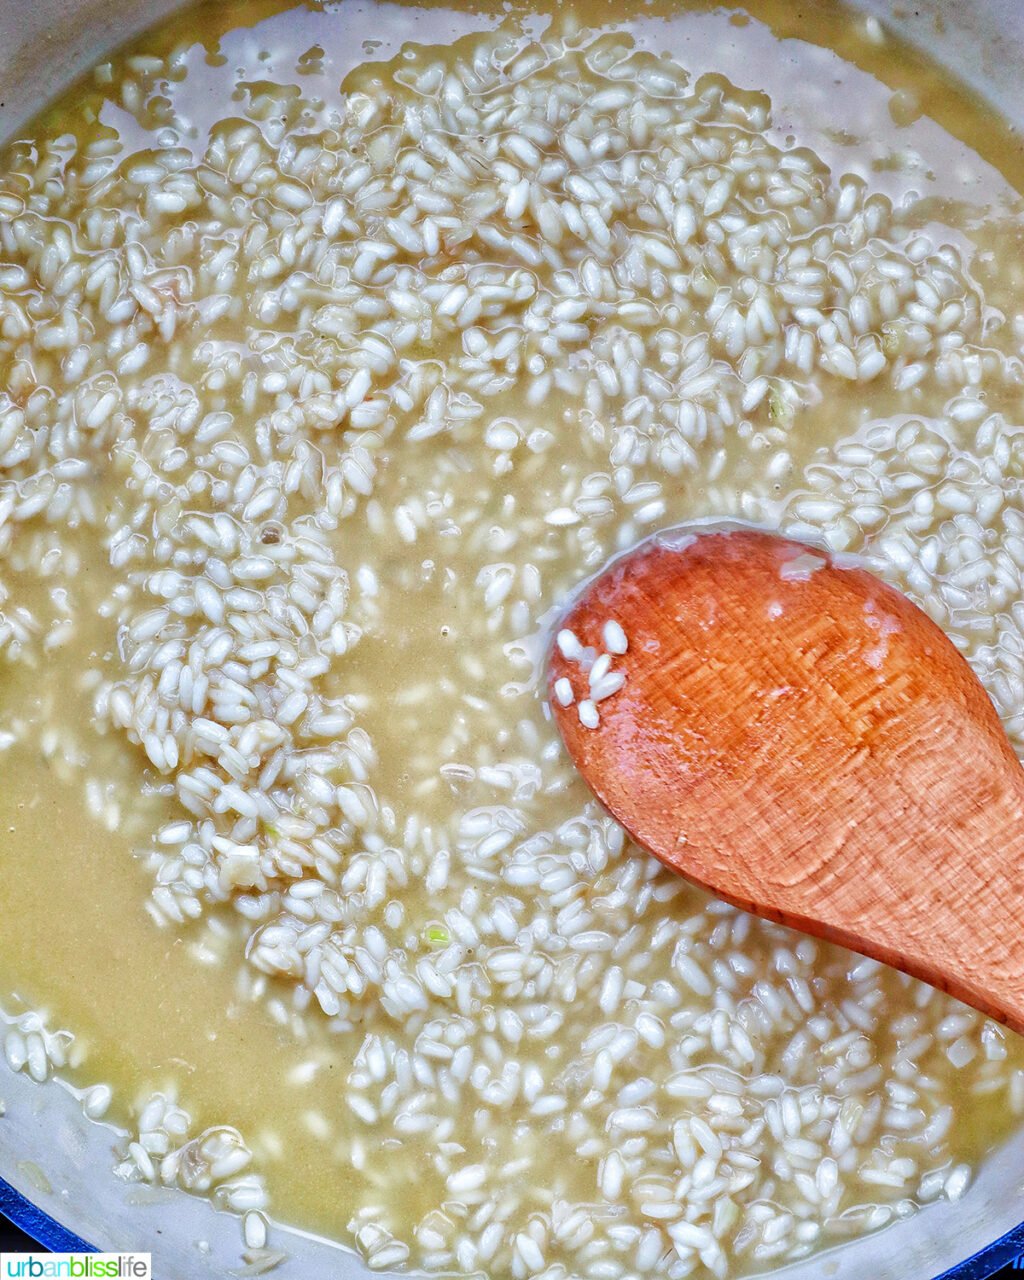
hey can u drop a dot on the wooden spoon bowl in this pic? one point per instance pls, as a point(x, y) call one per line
point(799, 738)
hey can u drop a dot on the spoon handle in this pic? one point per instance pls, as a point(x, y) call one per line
point(957, 920)
point(938, 891)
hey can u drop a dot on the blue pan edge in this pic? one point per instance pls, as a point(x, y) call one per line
point(48, 1232)
point(38, 1224)
point(986, 1262)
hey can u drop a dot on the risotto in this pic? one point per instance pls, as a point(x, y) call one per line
point(317, 403)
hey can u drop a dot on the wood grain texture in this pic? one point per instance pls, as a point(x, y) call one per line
point(801, 739)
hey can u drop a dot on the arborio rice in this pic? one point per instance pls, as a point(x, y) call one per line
point(336, 411)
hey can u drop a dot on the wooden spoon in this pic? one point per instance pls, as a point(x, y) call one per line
point(797, 737)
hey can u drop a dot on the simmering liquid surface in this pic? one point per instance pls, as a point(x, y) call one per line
point(321, 388)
